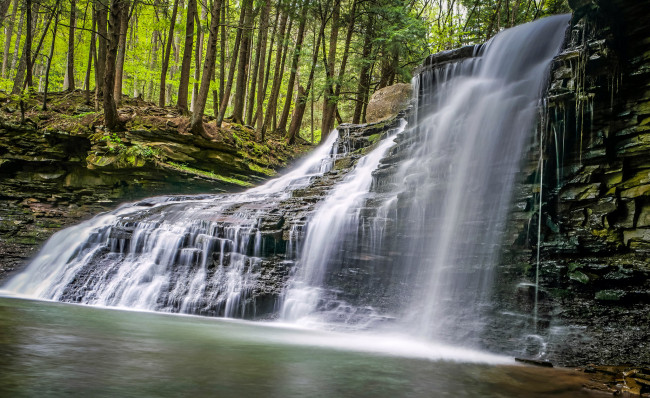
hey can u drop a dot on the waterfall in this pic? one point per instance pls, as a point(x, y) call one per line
point(417, 247)
point(408, 239)
point(194, 254)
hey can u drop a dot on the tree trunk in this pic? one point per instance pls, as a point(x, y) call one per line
point(275, 88)
point(231, 72)
point(91, 55)
point(303, 95)
point(344, 61)
point(111, 119)
point(282, 125)
point(364, 76)
point(4, 8)
point(196, 123)
point(9, 30)
point(258, 64)
point(198, 53)
point(19, 34)
point(70, 70)
point(152, 66)
point(222, 57)
point(102, 34)
point(240, 88)
point(49, 60)
point(181, 103)
point(329, 102)
point(165, 63)
point(121, 53)
point(28, 46)
point(259, 113)
point(218, 93)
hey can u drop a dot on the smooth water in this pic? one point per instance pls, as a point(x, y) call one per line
point(62, 350)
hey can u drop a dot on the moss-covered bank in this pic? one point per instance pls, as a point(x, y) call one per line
point(60, 166)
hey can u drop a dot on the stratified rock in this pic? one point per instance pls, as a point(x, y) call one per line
point(388, 102)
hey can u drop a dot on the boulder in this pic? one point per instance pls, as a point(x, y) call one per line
point(388, 102)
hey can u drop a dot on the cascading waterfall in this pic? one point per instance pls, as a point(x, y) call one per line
point(196, 254)
point(332, 225)
point(420, 246)
point(407, 240)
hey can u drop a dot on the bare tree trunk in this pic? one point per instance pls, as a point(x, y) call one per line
point(222, 57)
point(111, 119)
point(275, 88)
point(258, 64)
point(344, 61)
point(282, 125)
point(49, 61)
point(92, 54)
point(364, 77)
point(70, 70)
point(329, 104)
point(198, 53)
point(9, 30)
point(196, 123)
point(121, 53)
point(4, 8)
point(259, 113)
point(218, 94)
point(181, 103)
point(165, 63)
point(19, 34)
point(303, 95)
point(231, 72)
point(240, 88)
point(102, 34)
point(152, 66)
point(28, 46)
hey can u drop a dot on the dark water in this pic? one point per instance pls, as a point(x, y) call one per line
point(50, 349)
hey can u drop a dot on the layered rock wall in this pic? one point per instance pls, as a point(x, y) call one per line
point(593, 235)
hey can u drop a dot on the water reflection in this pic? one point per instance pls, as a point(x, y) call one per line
point(51, 350)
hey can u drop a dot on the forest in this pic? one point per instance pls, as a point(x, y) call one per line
point(285, 67)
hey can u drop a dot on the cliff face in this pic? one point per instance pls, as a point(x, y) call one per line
point(593, 235)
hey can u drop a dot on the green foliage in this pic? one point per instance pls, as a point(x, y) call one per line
point(114, 143)
point(399, 34)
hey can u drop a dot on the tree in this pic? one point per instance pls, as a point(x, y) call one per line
point(111, 118)
point(282, 125)
point(244, 52)
point(196, 122)
point(165, 63)
point(231, 74)
point(181, 103)
point(70, 60)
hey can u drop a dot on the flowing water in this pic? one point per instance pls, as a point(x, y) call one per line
point(62, 350)
point(406, 242)
point(154, 254)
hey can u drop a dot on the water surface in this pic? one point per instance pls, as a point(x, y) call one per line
point(52, 349)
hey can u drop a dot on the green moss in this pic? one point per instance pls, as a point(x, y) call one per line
point(374, 138)
point(575, 266)
point(208, 174)
point(579, 277)
point(262, 170)
point(610, 295)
